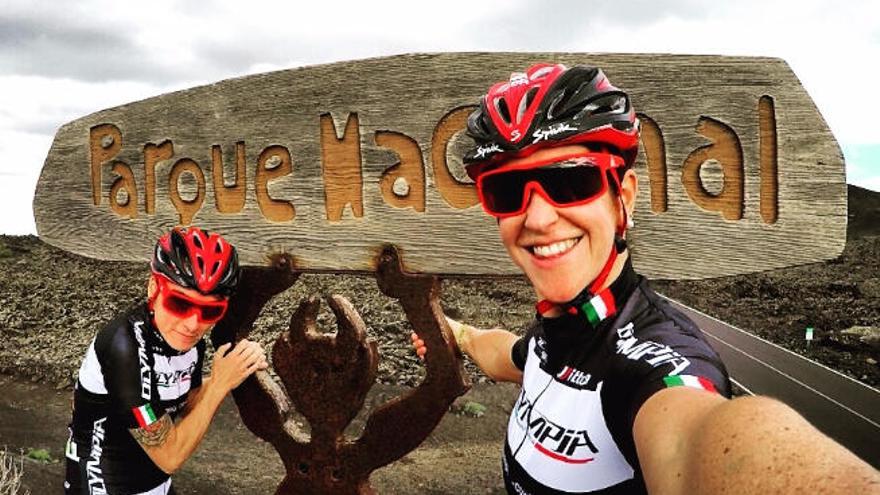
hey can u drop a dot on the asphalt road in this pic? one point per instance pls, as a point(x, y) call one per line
point(842, 408)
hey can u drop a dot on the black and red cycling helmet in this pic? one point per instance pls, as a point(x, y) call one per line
point(197, 259)
point(550, 105)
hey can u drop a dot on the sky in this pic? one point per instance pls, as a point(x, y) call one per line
point(63, 60)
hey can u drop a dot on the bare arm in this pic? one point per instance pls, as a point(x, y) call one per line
point(489, 349)
point(195, 396)
point(170, 445)
point(690, 441)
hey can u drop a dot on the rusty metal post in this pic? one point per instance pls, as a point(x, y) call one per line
point(267, 404)
point(326, 378)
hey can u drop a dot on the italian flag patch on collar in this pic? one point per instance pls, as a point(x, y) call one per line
point(599, 307)
point(144, 415)
point(689, 381)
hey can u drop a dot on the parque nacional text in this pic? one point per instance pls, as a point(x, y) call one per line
point(738, 171)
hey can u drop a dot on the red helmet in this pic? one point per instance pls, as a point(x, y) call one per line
point(197, 259)
point(550, 105)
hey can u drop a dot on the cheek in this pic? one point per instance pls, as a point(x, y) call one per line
point(598, 218)
point(159, 318)
point(508, 229)
point(163, 318)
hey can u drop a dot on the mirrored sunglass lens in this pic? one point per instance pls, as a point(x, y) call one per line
point(571, 184)
point(212, 312)
point(177, 304)
point(502, 193)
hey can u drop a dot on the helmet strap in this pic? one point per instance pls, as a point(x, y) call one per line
point(619, 245)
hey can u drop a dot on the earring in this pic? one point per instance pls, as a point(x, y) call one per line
point(629, 222)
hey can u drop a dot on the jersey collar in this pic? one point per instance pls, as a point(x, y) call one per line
point(593, 309)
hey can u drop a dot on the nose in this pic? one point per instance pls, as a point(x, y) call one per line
point(539, 213)
point(191, 323)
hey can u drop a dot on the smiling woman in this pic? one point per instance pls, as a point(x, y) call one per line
point(577, 240)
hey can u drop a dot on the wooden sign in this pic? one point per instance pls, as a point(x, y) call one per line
point(738, 172)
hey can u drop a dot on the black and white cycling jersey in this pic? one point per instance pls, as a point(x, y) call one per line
point(571, 428)
point(129, 373)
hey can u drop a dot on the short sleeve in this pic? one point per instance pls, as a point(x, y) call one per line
point(519, 352)
point(129, 380)
point(684, 361)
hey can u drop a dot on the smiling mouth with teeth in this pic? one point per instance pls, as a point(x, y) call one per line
point(555, 249)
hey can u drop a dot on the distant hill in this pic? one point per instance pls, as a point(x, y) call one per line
point(863, 212)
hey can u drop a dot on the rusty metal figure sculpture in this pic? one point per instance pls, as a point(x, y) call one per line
point(327, 378)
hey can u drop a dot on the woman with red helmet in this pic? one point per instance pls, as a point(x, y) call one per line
point(143, 371)
point(620, 392)
point(569, 136)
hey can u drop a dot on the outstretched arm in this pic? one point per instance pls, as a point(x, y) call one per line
point(691, 441)
point(170, 445)
point(489, 349)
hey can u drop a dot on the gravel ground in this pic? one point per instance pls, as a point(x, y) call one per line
point(52, 303)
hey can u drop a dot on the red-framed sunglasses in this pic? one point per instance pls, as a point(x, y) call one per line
point(183, 306)
point(563, 181)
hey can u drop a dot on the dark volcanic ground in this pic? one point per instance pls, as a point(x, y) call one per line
point(52, 302)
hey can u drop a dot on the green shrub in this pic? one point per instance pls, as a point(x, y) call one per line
point(472, 409)
point(41, 455)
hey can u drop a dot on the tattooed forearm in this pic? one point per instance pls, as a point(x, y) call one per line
point(155, 434)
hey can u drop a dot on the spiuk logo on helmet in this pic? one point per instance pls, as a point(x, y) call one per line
point(197, 259)
point(555, 105)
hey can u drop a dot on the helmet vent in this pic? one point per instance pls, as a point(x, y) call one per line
point(501, 108)
point(551, 108)
point(530, 96)
point(185, 254)
point(484, 126)
point(608, 104)
point(525, 103)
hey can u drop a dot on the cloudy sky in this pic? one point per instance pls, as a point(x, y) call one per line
point(63, 60)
